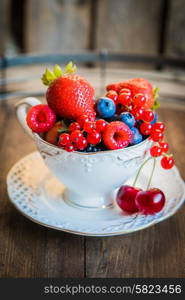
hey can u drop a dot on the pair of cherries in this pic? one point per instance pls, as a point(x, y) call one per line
point(131, 200)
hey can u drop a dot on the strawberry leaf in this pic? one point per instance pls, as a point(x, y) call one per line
point(156, 95)
point(57, 71)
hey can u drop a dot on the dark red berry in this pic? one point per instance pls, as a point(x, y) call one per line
point(151, 201)
point(155, 151)
point(94, 137)
point(74, 126)
point(164, 146)
point(145, 128)
point(126, 198)
point(89, 126)
point(101, 125)
point(167, 162)
point(147, 115)
point(139, 100)
point(64, 139)
point(156, 135)
point(158, 126)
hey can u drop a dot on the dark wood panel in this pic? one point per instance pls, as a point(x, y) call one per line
point(175, 42)
point(27, 249)
point(57, 26)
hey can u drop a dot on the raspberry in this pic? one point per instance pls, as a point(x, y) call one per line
point(40, 118)
point(117, 135)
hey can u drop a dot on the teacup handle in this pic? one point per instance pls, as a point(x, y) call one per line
point(21, 112)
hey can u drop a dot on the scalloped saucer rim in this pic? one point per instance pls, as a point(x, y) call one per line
point(24, 192)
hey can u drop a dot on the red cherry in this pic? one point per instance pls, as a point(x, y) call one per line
point(139, 100)
point(94, 137)
point(101, 125)
point(156, 136)
point(81, 143)
point(147, 115)
point(126, 198)
point(82, 119)
point(137, 112)
point(112, 95)
point(151, 201)
point(70, 148)
point(155, 151)
point(64, 139)
point(145, 128)
point(75, 136)
point(74, 126)
point(164, 146)
point(159, 126)
point(89, 126)
point(124, 98)
point(167, 162)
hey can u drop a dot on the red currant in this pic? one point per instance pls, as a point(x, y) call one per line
point(75, 136)
point(159, 126)
point(74, 126)
point(167, 162)
point(155, 151)
point(82, 119)
point(113, 95)
point(81, 143)
point(164, 146)
point(64, 139)
point(124, 98)
point(94, 137)
point(156, 135)
point(69, 148)
point(139, 100)
point(100, 125)
point(145, 128)
point(137, 112)
point(89, 126)
point(147, 115)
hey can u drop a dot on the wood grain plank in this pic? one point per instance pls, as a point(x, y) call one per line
point(120, 23)
point(57, 26)
point(27, 249)
point(154, 252)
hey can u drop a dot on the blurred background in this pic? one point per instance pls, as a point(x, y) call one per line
point(127, 36)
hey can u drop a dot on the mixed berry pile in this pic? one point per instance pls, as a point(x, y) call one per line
point(74, 121)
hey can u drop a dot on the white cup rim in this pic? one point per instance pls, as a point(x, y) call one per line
point(126, 149)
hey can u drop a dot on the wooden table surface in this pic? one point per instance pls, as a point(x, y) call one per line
point(30, 250)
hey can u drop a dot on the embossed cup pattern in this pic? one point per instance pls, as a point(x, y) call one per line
point(90, 178)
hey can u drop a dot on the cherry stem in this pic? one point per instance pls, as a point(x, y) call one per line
point(152, 173)
point(139, 171)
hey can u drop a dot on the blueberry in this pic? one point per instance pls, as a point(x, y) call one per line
point(155, 118)
point(137, 137)
point(89, 148)
point(128, 119)
point(106, 107)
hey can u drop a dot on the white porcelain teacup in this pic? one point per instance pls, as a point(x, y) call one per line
point(90, 178)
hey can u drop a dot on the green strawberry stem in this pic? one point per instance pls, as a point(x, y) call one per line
point(49, 76)
point(141, 167)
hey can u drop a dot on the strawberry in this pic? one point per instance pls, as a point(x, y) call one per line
point(138, 86)
point(68, 94)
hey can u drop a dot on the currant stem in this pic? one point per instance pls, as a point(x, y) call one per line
point(152, 173)
point(139, 171)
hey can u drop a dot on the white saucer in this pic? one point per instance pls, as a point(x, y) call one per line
point(38, 196)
